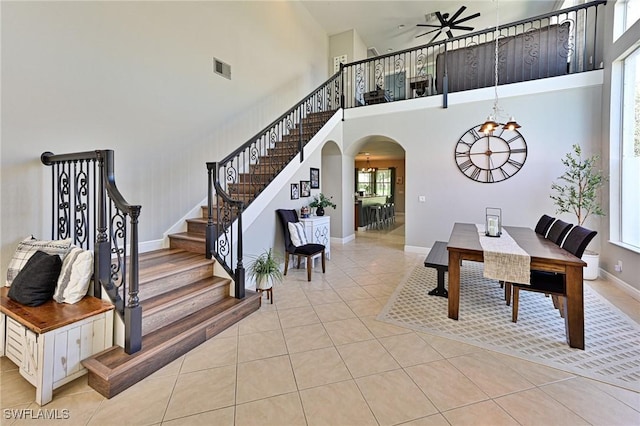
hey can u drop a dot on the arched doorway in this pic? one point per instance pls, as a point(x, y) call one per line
point(379, 176)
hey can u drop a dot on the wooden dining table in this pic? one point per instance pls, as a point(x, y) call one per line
point(464, 244)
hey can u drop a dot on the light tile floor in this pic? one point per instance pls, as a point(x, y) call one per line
point(317, 356)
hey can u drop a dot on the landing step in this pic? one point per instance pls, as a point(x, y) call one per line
point(112, 370)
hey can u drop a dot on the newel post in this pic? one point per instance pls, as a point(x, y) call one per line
point(239, 278)
point(210, 230)
point(133, 310)
point(102, 248)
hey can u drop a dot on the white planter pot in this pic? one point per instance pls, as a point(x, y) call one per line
point(591, 271)
point(263, 282)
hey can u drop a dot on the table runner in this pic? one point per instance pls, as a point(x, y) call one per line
point(504, 259)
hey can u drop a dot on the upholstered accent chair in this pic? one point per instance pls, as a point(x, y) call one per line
point(308, 251)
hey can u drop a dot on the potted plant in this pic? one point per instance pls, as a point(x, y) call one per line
point(579, 194)
point(320, 202)
point(265, 269)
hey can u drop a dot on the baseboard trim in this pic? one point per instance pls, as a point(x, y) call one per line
point(417, 249)
point(622, 285)
point(151, 245)
point(344, 240)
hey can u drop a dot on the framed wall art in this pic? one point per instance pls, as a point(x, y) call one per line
point(295, 191)
point(305, 188)
point(314, 177)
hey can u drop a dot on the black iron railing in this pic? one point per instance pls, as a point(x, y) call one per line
point(238, 179)
point(558, 43)
point(88, 208)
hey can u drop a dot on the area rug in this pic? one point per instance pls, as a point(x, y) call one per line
point(612, 340)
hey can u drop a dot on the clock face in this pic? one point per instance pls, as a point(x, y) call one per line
point(490, 158)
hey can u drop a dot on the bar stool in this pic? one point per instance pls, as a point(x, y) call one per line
point(384, 215)
point(376, 213)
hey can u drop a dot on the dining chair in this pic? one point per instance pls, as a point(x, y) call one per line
point(543, 225)
point(549, 282)
point(308, 251)
point(558, 231)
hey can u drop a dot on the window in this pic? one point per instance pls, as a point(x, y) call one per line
point(630, 152)
point(627, 12)
point(364, 182)
point(383, 182)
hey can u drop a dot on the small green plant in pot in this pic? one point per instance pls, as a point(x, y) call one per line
point(320, 202)
point(265, 269)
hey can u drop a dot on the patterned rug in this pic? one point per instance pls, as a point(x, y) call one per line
point(612, 340)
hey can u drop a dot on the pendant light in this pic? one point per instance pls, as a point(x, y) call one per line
point(368, 168)
point(491, 124)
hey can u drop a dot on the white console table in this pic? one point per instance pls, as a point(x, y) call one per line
point(318, 231)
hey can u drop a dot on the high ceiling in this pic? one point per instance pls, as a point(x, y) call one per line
point(390, 26)
point(378, 22)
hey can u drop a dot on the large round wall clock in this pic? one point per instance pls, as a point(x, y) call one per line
point(490, 158)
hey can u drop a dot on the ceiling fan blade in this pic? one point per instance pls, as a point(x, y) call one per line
point(449, 34)
point(457, 27)
point(458, 13)
point(427, 25)
point(428, 32)
point(443, 23)
point(475, 15)
point(435, 37)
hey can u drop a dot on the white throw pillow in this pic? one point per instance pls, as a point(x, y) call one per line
point(27, 247)
point(75, 276)
point(296, 230)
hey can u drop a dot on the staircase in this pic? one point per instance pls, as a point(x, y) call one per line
point(183, 302)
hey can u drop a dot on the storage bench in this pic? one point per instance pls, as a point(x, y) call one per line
point(48, 342)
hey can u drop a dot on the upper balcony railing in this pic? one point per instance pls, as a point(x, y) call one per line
point(558, 43)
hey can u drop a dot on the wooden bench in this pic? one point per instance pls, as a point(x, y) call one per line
point(49, 341)
point(438, 258)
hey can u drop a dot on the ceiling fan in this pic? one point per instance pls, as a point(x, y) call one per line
point(448, 23)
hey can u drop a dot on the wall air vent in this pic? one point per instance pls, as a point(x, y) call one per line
point(222, 68)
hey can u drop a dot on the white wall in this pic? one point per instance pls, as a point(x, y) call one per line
point(137, 77)
point(551, 123)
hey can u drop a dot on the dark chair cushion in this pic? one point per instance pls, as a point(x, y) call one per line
point(36, 282)
point(308, 249)
point(544, 224)
point(546, 281)
point(577, 240)
point(558, 231)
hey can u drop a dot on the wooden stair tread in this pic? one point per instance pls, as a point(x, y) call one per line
point(112, 370)
point(171, 263)
point(153, 304)
point(188, 236)
point(198, 220)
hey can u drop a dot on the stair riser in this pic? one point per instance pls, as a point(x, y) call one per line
point(215, 213)
point(185, 307)
point(172, 282)
point(198, 227)
point(192, 246)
